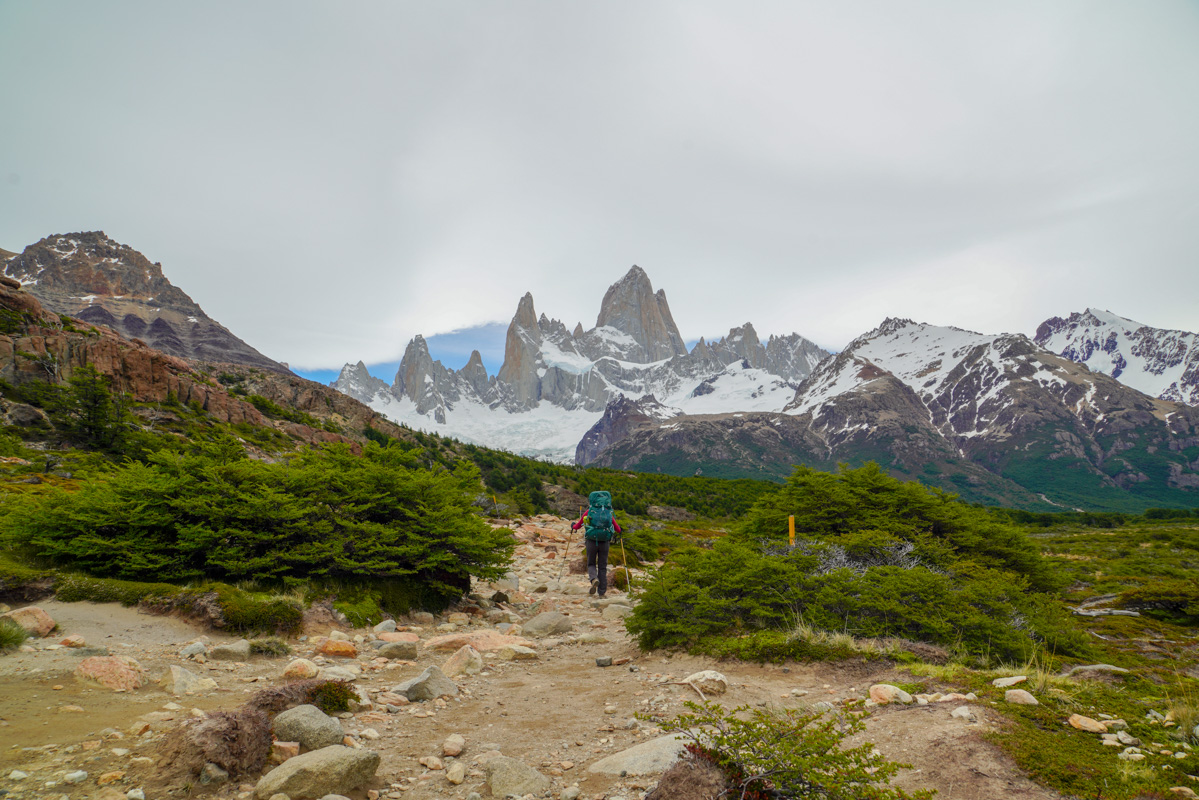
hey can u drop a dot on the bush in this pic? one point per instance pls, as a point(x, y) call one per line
point(332, 697)
point(787, 753)
point(1174, 600)
point(12, 635)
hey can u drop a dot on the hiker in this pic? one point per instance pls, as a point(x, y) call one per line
point(600, 526)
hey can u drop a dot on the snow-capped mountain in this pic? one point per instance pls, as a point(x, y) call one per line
point(1160, 363)
point(994, 417)
point(555, 383)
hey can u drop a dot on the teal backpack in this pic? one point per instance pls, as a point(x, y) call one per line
point(599, 516)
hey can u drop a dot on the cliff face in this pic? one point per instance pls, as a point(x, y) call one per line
point(93, 278)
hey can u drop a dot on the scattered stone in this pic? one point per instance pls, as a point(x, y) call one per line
point(428, 685)
point(516, 652)
point(400, 651)
point(1020, 697)
point(17, 775)
point(281, 751)
point(884, 693)
point(301, 669)
point(453, 746)
point(386, 626)
point(456, 774)
point(570, 793)
point(964, 712)
point(507, 776)
point(78, 776)
point(74, 641)
point(1182, 791)
point(708, 681)
point(235, 651)
point(194, 649)
point(337, 648)
point(135, 794)
point(616, 612)
point(1131, 754)
point(32, 619)
point(431, 763)
point(1003, 683)
point(547, 623)
point(466, 661)
point(338, 636)
point(309, 726)
point(179, 681)
point(341, 673)
point(213, 775)
point(119, 673)
point(400, 636)
point(316, 774)
point(423, 618)
point(1127, 739)
point(604, 661)
point(1086, 724)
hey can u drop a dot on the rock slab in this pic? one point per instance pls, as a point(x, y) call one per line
point(430, 684)
point(33, 619)
point(647, 758)
point(313, 775)
point(507, 776)
point(118, 673)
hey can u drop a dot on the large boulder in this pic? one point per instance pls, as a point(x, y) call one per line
point(309, 726)
point(509, 777)
point(430, 684)
point(708, 681)
point(32, 619)
point(313, 775)
point(547, 623)
point(119, 673)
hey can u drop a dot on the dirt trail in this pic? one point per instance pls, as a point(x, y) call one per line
point(558, 713)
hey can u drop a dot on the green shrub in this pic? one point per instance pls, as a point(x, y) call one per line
point(214, 514)
point(1174, 600)
point(72, 588)
point(250, 612)
point(12, 635)
point(333, 697)
point(269, 647)
point(361, 609)
point(788, 753)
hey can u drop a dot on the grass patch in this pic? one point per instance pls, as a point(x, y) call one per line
point(12, 635)
point(271, 646)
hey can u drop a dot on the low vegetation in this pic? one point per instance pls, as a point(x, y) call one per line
point(873, 557)
point(765, 754)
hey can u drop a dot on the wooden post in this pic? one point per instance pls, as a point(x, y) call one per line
point(791, 528)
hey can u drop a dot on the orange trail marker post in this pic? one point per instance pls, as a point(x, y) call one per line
point(791, 529)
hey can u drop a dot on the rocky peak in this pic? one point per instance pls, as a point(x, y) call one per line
point(631, 307)
point(96, 279)
point(621, 415)
point(522, 347)
point(357, 382)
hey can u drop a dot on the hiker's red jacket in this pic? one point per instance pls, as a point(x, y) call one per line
point(576, 525)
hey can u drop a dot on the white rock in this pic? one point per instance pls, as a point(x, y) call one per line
point(963, 712)
point(1003, 683)
point(17, 775)
point(1020, 697)
point(78, 776)
point(708, 681)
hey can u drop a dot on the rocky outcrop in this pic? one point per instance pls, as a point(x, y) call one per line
point(93, 278)
point(631, 307)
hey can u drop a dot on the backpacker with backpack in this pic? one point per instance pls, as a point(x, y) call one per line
point(599, 516)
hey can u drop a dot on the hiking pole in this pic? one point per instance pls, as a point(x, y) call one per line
point(624, 561)
point(562, 566)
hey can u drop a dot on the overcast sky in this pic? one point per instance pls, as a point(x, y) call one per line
point(329, 179)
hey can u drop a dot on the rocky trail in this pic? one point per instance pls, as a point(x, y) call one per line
point(519, 702)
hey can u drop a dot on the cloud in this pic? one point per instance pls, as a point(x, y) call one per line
point(328, 181)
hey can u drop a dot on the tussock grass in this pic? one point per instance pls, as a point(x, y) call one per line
point(12, 635)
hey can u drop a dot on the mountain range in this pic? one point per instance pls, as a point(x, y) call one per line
point(1096, 412)
point(555, 382)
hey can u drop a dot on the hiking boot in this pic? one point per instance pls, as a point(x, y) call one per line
point(594, 586)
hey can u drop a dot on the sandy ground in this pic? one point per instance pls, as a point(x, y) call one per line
point(559, 713)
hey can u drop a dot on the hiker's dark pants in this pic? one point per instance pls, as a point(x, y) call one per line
point(597, 563)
